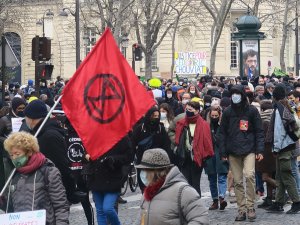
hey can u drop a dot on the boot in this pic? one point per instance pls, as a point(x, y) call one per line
point(223, 203)
point(251, 215)
point(215, 205)
point(294, 209)
point(275, 207)
point(241, 216)
point(267, 202)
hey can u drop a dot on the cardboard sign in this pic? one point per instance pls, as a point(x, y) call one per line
point(29, 218)
point(16, 124)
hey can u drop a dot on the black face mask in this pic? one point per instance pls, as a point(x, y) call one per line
point(20, 114)
point(214, 120)
point(189, 114)
point(154, 122)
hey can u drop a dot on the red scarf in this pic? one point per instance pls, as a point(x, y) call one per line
point(151, 190)
point(202, 142)
point(34, 162)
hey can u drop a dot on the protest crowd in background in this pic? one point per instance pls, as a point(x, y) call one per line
point(242, 133)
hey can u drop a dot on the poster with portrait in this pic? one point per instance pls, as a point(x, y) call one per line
point(250, 58)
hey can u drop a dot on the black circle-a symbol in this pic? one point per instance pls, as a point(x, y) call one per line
point(106, 81)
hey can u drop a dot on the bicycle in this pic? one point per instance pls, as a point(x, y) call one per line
point(131, 180)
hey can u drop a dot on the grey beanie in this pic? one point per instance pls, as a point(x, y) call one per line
point(155, 158)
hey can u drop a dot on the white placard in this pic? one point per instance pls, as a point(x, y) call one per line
point(16, 124)
point(29, 218)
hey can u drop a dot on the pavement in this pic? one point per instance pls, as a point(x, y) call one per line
point(129, 212)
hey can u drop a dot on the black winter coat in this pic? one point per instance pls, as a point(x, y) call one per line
point(172, 102)
point(233, 140)
point(109, 172)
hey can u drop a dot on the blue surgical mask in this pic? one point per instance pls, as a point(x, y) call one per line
point(143, 176)
point(236, 98)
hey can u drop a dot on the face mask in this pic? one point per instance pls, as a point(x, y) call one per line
point(169, 96)
point(143, 176)
point(214, 120)
point(192, 91)
point(20, 114)
point(20, 161)
point(185, 101)
point(236, 98)
point(154, 122)
point(189, 114)
point(163, 115)
point(207, 104)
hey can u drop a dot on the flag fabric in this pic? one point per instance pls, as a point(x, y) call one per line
point(104, 98)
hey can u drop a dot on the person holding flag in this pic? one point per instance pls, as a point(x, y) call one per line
point(102, 104)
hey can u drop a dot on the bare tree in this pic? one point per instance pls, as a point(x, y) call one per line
point(152, 22)
point(218, 11)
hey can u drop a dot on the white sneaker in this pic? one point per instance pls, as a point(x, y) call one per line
point(231, 193)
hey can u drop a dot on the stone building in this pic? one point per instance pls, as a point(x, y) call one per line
point(192, 42)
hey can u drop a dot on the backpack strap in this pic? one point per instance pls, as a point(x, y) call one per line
point(181, 217)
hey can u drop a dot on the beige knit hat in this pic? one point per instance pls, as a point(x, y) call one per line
point(155, 158)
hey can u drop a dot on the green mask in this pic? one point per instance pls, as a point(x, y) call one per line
point(20, 161)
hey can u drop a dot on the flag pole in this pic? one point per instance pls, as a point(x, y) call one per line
point(35, 135)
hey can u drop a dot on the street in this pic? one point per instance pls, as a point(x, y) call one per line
point(129, 212)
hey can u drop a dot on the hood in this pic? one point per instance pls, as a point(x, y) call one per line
point(239, 89)
point(148, 115)
point(173, 177)
point(51, 124)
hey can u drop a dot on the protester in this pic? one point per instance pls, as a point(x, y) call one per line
point(37, 183)
point(268, 91)
point(170, 99)
point(241, 141)
point(216, 168)
point(52, 143)
point(194, 144)
point(186, 97)
point(267, 165)
point(282, 137)
point(166, 115)
point(105, 176)
point(150, 134)
point(167, 198)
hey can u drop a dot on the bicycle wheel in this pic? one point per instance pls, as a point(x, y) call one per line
point(124, 188)
point(133, 182)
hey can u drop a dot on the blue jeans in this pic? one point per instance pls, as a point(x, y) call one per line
point(217, 185)
point(295, 172)
point(259, 182)
point(105, 203)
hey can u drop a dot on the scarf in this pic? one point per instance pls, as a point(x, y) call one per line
point(202, 142)
point(151, 190)
point(34, 162)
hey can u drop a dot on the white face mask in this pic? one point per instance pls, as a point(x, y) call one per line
point(143, 176)
point(163, 116)
point(185, 101)
point(192, 91)
point(169, 96)
point(236, 98)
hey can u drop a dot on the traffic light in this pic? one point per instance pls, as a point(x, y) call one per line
point(45, 71)
point(137, 52)
point(44, 48)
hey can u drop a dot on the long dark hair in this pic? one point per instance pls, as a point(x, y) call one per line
point(170, 113)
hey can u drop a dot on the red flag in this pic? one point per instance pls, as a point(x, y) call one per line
point(104, 98)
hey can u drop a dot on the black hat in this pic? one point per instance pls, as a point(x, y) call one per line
point(225, 102)
point(279, 92)
point(16, 102)
point(36, 109)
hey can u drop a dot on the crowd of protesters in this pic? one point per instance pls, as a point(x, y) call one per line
point(242, 133)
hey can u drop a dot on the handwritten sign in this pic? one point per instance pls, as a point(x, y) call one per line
point(190, 62)
point(21, 218)
point(16, 124)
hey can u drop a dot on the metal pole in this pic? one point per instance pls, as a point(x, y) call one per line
point(37, 62)
point(77, 34)
point(3, 67)
point(43, 25)
point(133, 60)
point(35, 135)
point(297, 41)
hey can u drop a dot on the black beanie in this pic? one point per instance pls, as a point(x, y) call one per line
point(36, 109)
point(279, 92)
point(225, 102)
point(16, 102)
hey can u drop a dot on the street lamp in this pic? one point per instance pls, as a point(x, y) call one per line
point(41, 21)
point(77, 28)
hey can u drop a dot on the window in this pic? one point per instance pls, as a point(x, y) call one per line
point(234, 55)
point(89, 39)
